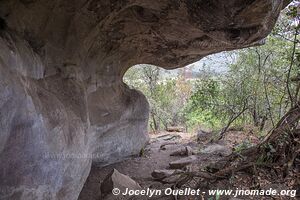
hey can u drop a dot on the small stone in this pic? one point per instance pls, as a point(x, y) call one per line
point(175, 129)
point(171, 179)
point(217, 149)
point(202, 136)
point(215, 166)
point(183, 151)
point(156, 185)
point(178, 164)
point(189, 151)
point(161, 174)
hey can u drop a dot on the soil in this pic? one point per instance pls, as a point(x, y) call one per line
point(156, 156)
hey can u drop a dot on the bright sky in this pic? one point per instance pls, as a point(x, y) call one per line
point(218, 62)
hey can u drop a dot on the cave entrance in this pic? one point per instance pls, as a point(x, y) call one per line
point(172, 93)
point(210, 120)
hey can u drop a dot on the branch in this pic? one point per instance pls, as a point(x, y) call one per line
point(290, 68)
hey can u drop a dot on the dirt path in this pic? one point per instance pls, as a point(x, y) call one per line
point(156, 156)
point(140, 168)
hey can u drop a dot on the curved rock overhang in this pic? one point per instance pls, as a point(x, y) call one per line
point(62, 100)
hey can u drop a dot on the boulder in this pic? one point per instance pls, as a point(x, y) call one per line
point(116, 180)
point(179, 164)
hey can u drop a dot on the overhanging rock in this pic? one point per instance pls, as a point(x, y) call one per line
point(62, 100)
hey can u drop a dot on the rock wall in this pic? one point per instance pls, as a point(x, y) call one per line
point(63, 104)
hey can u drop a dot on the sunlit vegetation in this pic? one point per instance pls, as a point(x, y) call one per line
point(258, 87)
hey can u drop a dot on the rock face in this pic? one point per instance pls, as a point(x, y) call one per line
point(63, 103)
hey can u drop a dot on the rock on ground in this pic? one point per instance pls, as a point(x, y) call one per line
point(183, 151)
point(116, 180)
point(203, 135)
point(217, 149)
point(179, 164)
point(163, 173)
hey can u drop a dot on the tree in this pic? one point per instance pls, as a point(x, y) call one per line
point(164, 94)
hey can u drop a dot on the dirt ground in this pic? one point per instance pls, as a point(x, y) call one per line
point(156, 156)
point(138, 168)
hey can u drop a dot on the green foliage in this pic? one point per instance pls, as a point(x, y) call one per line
point(165, 95)
point(260, 85)
point(201, 108)
point(244, 145)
